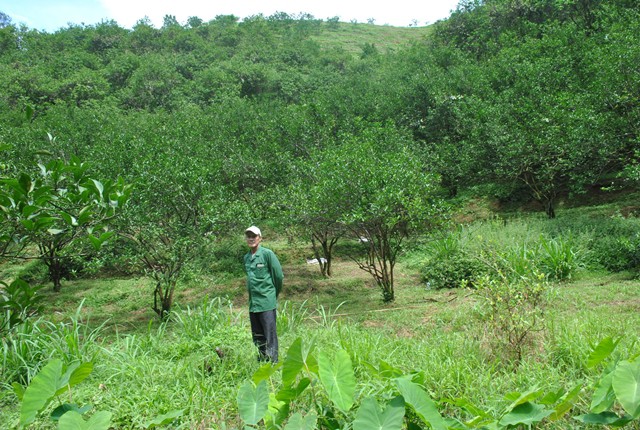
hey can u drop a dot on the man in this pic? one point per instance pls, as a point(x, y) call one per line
point(264, 282)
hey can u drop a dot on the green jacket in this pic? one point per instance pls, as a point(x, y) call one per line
point(264, 279)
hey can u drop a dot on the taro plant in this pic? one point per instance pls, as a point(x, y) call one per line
point(523, 410)
point(54, 380)
point(616, 396)
point(328, 382)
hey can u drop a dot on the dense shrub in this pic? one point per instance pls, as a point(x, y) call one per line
point(34, 272)
point(118, 258)
point(616, 253)
point(226, 256)
point(452, 271)
point(613, 243)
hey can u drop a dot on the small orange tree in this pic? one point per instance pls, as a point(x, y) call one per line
point(56, 208)
point(385, 193)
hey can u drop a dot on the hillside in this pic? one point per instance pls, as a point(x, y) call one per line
point(352, 37)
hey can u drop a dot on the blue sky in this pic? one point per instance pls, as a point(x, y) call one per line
point(51, 15)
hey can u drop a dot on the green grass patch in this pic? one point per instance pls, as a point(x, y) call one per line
point(196, 362)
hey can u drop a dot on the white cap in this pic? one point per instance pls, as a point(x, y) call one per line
point(255, 230)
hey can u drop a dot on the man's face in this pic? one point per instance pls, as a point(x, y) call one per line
point(252, 239)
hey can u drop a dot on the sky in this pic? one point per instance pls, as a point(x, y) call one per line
point(51, 15)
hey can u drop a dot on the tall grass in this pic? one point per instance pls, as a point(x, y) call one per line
point(196, 361)
point(28, 346)
point(174, 367)
point(557, 248)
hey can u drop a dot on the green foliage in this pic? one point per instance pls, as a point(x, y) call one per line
point(456, 260)
point(191, 366)
point(527, 408)
point(72, 420)
point(370, 417)
point(617, 253)
point(514, 310)
point(336, 375)
point(453, 271)
point(18, 301)
point(226, 256)
point(56, 209)
point(558, 260)
point(384, 195)
point(619, 383)
point(28, 345)
point(253, 402)
point(421, 403)
point(53, 380)
point(164, 419)
point(200, 321)
point(213, 120)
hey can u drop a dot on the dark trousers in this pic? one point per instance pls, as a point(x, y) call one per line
point(265, 337)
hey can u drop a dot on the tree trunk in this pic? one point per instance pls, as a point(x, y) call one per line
point(162, 300)
point(327, 245)
point(549, 208)
point(55, 273)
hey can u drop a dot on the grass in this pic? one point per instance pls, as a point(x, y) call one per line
point(144, 368)
point(352, 37)
point(174, 365)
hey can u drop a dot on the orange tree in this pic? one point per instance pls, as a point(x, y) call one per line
point(385, 193)
point(57, 208)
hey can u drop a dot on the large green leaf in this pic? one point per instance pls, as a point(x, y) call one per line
point(72, 420)
point(525, 414)
point(264, 372)
point(164, 419)
point(601, 352)
point(370, 417)
point(253, 402)
point(66, 407)
point(518, 398)
point(293, 363)
point(278, 412)
point(626, 385)
point(298, 422)
point(336, 375)
point(75, 374)
point(421, 403)
point(566, 404)
point(18, 390)
point(290, 393)
point(40, 391)
point(604, 418)
point(603, 396)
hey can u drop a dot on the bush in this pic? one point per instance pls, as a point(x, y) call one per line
point(18, 301)
point(453, 271)
point(34, 272)
point(616, 253)
point(226, 257)
point(513, 310)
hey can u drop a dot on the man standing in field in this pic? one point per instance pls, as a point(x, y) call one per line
point(264, 282)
